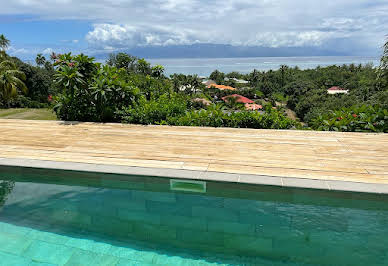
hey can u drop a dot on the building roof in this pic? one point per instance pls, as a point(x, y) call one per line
point(239, 98)
point(209, 82)
point(335, 88)
point(253, 106)
point(202, 100)
point(221, 87)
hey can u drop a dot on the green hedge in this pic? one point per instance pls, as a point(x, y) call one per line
point(365, 118)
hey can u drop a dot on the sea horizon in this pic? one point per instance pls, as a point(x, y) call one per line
point(204, 66)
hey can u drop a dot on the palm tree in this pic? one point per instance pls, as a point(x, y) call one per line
point(11, 81)
point(382, 71)
point(40, 60)
point(4, 42)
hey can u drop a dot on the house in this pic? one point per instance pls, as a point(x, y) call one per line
point(221, 87)
point(239, 81)
point(253, 106)
point(337, 90)
point(203, 101)
point(209, 82)
point(239, 99)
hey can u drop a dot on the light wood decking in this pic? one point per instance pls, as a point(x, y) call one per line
point(353, 157)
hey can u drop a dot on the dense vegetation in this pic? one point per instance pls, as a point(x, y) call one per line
point(128, 89)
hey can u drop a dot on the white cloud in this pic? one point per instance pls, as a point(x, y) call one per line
point(106, 36)
point(17, 51)
point(47, 51)
point(274, 23)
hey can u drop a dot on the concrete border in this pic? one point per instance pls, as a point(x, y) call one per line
point(202, 175)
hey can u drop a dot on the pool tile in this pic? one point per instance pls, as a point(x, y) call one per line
point(231, 227)
point(34, 263)
point(82, 258)
point(248, 244)
point(201, 237)
point(151, 232)
point(48, 252)
point(122, 252)
point(14, 244)
point(126, 262)
point(89, 245)
point(144, 217)
point(164, 208)
point(215, 213)
point(13, 229)
point(179, 221)
point(48, 237)
point(10, 260)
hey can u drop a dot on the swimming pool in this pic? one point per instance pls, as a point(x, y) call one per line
point(51, 217)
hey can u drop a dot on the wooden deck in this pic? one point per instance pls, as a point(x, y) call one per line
point(353, 157)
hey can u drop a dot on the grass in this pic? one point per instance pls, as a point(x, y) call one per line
point(27, 114)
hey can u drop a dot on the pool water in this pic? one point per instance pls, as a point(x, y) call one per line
point(52, 217)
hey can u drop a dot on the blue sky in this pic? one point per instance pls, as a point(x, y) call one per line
point(95, 26)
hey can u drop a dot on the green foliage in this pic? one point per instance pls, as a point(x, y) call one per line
point(217, 76)
point(11, 82)
point(156, 111)
point(188, 84)
point(4, 42)
point(216, 116)
point(21, 101)
point(360, 119)
point(39, 81)
point(89, 91)
point(134, 65)
point(382, 71)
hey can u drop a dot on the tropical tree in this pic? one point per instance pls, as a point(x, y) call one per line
point(382, 72)
point(11, 81)
point(40, 60)
point(4, 42)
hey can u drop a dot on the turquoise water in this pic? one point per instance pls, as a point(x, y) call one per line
point(204, 66)
point(72, 218)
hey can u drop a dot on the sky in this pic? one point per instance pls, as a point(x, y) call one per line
point(96, 26)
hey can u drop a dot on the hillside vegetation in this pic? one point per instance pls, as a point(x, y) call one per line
point(129, 90)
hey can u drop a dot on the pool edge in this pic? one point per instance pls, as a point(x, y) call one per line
point(321, 184)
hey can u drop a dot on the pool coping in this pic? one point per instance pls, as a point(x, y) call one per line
point(308, 183)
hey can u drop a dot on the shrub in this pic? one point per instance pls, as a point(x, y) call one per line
point(89, 91)
point(155, 111)
point(366, 118)
point(215, 116)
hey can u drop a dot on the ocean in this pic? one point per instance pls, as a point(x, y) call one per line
point(204, 66)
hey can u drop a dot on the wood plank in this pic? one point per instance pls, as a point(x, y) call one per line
point(358, 157)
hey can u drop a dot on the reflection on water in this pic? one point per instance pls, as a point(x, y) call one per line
point(5, 188)
point(232, 224)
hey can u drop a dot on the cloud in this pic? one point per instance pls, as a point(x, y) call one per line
point(106, 36)
point(118, 24)
point(47, 51)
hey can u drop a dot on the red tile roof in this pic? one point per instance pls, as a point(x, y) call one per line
point(239, 98)
point(253, 106)
point(221, 87)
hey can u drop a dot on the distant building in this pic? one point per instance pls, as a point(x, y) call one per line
point(209, 82)
point(239, 81)
point(221, 87)
point(203, 101)
point(253, 106)
point(239, 99)
point(337, 90)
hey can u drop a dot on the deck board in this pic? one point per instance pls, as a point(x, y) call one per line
point(357, 157)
